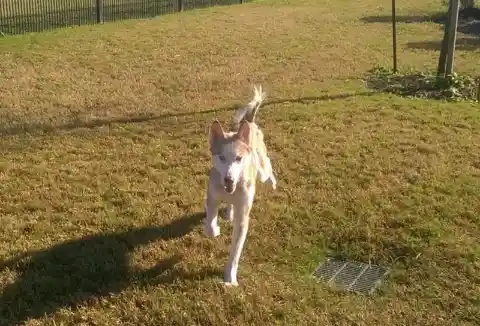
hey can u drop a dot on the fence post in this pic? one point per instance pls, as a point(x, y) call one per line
point(100, 16)
point(394, 36)
point(180, 5)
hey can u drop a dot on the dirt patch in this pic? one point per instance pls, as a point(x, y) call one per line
point(421, 85)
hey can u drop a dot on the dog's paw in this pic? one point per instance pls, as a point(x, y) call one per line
point(212, 230)
point(273, 181)
point(230, 284)
point(230, 279)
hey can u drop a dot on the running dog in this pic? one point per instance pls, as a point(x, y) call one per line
point(239, 158)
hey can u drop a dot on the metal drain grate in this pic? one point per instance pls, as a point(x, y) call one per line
point(350, 275)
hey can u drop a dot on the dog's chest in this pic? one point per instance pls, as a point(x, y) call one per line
point(249, 173)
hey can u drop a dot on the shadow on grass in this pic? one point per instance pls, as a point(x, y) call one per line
point(74, 272)
point(413, 19)
point(464, 44)
point(468, 20)
point(19, 129)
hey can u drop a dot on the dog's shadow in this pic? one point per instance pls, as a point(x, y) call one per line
point(76, 271)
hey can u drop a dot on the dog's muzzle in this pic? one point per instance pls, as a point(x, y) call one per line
point(229, 185)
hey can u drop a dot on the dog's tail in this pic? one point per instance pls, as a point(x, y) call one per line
point(249, 111)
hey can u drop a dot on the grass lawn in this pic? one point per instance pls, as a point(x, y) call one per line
point(104, 167)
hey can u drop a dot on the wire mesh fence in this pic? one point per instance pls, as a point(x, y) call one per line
point(21, 16)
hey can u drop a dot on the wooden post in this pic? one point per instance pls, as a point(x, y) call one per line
point(452, 36)
point(394, 36)
point(180, 5)
point(443, 51)
point(478, 91)
point(100, 16)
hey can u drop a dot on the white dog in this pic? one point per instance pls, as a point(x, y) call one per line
point(238, 159)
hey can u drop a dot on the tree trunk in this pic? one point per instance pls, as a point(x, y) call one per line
point(452, 35)
point(442, 60)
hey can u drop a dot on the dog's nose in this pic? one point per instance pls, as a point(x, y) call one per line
point(229, 185)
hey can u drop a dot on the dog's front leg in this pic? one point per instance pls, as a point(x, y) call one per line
point(212, 205)
point(241, 218)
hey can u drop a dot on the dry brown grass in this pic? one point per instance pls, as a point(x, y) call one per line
point(105, 159)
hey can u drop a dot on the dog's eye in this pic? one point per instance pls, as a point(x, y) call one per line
point(238, 158)
point(222, 158)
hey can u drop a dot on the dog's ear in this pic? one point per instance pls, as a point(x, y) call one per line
point(216, 132)
point(243, 132)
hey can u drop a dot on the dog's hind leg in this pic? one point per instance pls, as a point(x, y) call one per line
point(211, 221)
point(241, 212)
